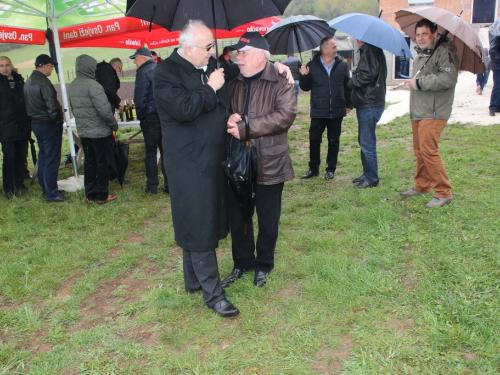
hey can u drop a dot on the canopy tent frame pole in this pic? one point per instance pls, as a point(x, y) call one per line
point(64, 94)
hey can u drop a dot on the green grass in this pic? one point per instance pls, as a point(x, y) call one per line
point(366, 282)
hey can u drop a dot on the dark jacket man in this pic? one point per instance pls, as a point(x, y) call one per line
point(368, 81)
point(266, 98)
point(495, 68)
point(46, 121)
point(41, 100)
point(15, 128)
point(94, 123)
point(294, 64)
point(107, 76)
point(149, 120)
point(368, 97)
point(143, 93)
point(330, 103)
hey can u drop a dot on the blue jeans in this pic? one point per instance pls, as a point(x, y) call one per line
point(49, 137)
point(495, 93)
point(367, 122)
point(297, 89)
point(482, 79)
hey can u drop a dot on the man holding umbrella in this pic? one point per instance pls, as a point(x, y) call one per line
point(431, 101)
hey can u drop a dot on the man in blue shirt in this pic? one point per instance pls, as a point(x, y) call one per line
point(326, 75)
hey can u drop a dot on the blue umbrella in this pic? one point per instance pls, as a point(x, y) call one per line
point(374, 31)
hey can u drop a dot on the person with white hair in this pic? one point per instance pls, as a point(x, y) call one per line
point(193, 103)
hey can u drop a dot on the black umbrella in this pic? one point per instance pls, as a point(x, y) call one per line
point(297, 34)
point(118, 158)
point(217, 14)
point(241, 171)
point(33, 150)
point(52, 48)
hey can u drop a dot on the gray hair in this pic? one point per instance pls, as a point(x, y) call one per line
point(115, 60)
point(187, 35)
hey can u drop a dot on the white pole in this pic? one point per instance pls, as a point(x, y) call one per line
point(64, 94)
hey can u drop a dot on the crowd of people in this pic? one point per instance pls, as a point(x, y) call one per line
point(197, 111)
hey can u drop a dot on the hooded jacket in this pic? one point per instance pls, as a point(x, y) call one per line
point(330, 95)
point(368, 83)
point(436, 83)
point(89, 102)
point(14, 121)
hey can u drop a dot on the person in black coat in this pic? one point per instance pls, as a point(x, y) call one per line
point(15, 129)
point(326, 76)
point(107, 75)
point(193, 103)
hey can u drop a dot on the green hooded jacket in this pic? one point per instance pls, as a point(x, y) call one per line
point(89, 102)
point(436, 82)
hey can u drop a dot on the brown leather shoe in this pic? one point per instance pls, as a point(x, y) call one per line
point(108, 199)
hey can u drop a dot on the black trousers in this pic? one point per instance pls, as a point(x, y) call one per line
point(151, 130)
point(14, 157)
point(268, 207)
point(200, 269)
point(96, 167)
point(333, 129)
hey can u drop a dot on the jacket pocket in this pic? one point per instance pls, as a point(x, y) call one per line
point(272, 157)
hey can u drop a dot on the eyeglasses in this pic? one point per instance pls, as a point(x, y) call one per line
point(207, 47)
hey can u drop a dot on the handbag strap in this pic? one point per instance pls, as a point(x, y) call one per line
point(247, 132)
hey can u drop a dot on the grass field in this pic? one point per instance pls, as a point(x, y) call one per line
point(366, 282)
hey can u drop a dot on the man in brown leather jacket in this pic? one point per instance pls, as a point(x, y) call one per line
point(271, 108)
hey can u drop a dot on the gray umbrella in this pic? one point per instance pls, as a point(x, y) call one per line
point(297, 34)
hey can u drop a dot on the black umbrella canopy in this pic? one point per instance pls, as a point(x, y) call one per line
point(118, 158)
point(174, 14)
point(297, 34)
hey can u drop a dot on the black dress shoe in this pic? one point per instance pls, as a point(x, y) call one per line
point(225, 309)
point(235, 274)
point(149, 190)
point(166, 190)
point(309, 174)
point(194, 290)
point(329, 175)
point(492, 113)
point(12, 194)
point(61, 198)
point(260, 278)
point(359, 179)
point(364, 184)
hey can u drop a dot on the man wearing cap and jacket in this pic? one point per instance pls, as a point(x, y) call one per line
point(265, 97)
point(149, 120)
point(47, 124)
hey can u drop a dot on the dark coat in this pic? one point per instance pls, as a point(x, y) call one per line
point(494, 52)
point(194, 135)
point(14, 121)
point(143, 93)
point(368, 83)
point(330, 95)
point(41, 100)
point(106, 75)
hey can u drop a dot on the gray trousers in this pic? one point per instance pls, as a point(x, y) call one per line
point(201, 269)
